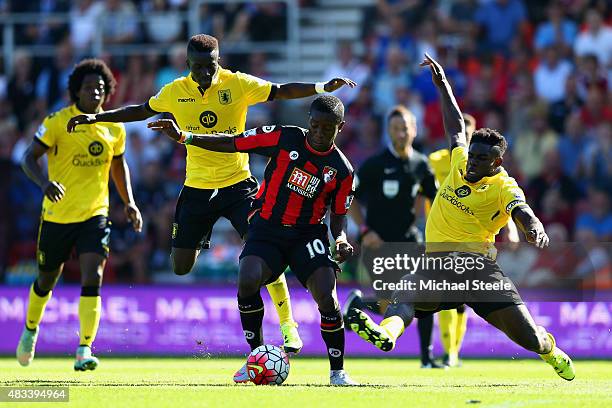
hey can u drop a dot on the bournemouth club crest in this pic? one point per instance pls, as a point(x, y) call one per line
point(329, 173)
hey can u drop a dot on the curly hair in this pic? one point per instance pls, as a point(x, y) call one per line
point(329, 104)
point(490, 137)
point(86, 67)
point(202, 43)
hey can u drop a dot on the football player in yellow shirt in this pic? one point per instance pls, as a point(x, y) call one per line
point(213, 100)
point(473, 203)
point(75, 205)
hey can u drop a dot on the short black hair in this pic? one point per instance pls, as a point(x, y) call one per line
point(490, 137)
point(86, 67)
point(329, 104)
point(202, 43)
point(402, 111)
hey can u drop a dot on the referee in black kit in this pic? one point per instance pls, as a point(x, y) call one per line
point(387, 186)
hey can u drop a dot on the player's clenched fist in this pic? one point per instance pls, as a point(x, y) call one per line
point(80, 120)
point(166, 126)
point(344, 250)
point(54, 191)
point(537, 236)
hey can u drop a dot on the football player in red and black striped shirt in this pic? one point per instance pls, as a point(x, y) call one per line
point(306, 175)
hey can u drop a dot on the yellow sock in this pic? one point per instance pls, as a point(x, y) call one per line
point(394, 326)
point(447, 320)
point(89, 316)
point(279, 292)
point(36, 308)
point(461, 327)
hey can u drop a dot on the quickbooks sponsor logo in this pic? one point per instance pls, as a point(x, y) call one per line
point(334, 352)
point(451, 198)
point(83, 160)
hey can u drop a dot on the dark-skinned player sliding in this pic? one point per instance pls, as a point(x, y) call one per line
point(212, 100)
point(306, 175)
point(473, 203)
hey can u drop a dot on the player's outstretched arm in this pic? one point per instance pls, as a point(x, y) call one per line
point(120, 173)
point(216, 143)
point(53, 190)
point(296, 90)
point(454, 126)
point(530, 225)
point(131, 113)
point(337, 226)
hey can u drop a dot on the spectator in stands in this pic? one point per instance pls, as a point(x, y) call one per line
point(347, 66)
point(551, 74)
point(21, 89)
point(52, 83)
point(267, 22)
point(572, 145)
point(163, 24)
point(598, 218)
point(177, 55)
point(557, 31)
point(590, 74)
point(500, 21)
point(84, 20)
point(598, 155)
point(596, 108)
point(394, 75)
point(572, 102)
point(534, 142)
point(395, 36)
point(119, 22)
point(596, 39)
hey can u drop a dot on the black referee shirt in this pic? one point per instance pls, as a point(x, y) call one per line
point(387, 187)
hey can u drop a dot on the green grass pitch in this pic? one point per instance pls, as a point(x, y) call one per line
point(388, 383)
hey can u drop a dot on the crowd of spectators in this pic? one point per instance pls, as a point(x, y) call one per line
point(540, 72)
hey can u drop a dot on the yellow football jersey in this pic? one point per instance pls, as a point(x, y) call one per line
point(222, 108)
point(439, 161)
point(81, 162)
point(471, 213)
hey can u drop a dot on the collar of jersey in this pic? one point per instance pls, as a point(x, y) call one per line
point(213, 83)
point(396, 155)
point(318, 153)
point(485, 180)
point(78, 111)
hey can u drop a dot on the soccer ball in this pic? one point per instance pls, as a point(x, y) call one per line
point(268, 364)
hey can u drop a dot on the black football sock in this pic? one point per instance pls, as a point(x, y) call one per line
point(251, 315)
point(373, 305)
point(332, 331)
point(425, 326)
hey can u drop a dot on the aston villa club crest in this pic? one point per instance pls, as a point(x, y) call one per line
point(329, 173)
point(225, 97)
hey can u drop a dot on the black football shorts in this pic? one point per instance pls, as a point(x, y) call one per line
point(303, 248)
point(56, 241)
point(197, 211)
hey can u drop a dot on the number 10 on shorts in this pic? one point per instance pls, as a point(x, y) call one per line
point(315, 247)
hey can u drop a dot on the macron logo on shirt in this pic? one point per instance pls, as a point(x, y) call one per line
point(186, 100)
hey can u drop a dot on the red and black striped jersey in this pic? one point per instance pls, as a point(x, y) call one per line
point(300, 183)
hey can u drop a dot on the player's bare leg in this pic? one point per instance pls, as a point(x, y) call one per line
point(40, 293)
point(253, 273)
point(183, 260)
point(516, 322)
point(322, 286)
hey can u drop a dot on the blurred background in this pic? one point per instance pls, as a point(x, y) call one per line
point(538, 71)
